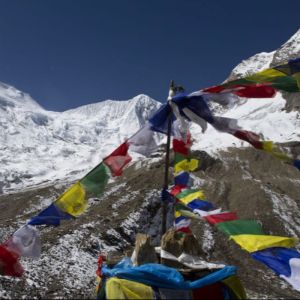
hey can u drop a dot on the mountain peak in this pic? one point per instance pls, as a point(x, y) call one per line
point(289, 50)
point(37, 144)
point(255, 63)
point(265, 60)
point(10, 97)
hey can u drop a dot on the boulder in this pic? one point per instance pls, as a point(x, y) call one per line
point(144, 252)
point(177, 243)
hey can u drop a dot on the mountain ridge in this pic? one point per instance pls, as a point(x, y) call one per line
point(35, 142)
point(265, 60)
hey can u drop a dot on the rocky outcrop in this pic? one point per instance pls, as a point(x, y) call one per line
point(144, 251)
point(177, 243)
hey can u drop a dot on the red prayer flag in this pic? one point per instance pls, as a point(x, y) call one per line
point(9, 264)
point(177, 189)
point(186, 230)
point(223, 217)
point(255, 91)
point(118, 159)
point(249, 137)
point(214, 89)
point(180, 147)
point(263, 90)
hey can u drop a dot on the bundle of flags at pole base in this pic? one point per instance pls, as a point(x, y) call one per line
point(156, 281)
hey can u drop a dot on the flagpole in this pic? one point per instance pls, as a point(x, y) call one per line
point(167, 162)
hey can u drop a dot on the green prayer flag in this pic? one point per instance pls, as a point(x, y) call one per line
point(281, 82)
point(237, 227)
point(180, 206)
point(96, 180)
point(178, 157)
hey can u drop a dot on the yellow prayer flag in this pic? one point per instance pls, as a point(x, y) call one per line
point(252, 242)
point(268, 146)
point(192, 196)
point(186, 165)
point(189, 214)
point(265, 76)
point(73, 201)
point(177, 214)
point(281, 156)
point(125, 289)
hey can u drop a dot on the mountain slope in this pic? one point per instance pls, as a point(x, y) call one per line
point(252, 183)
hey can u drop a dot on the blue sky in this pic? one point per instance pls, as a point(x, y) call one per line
point(67, 53)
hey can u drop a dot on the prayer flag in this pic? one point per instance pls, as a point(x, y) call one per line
point(26, 242)
point(181, 147)
point(222, 217)
point(244, 90)
point(294, 279)
point(182, 178)
point(177, 189)
point(252, 242)
point(118, 159)
point(179, 158)
point(182, 222)
point(189, 195)
point(284, 262)
point(117, 288)
point(96, 180)
point(277, 259)
point(195, 118)
point(179, 206)
point(159, 121)
point(225, 124)
point(249, 137)
point(73, 201)
point(204, 213)
point(296, 163)
point(189, 214)
point(237, 227)
point(282, 77)
point(52, 215)
point(200, 204)
point(9, 264)
point(143, 142)
point(195, 103)
point(186, 165)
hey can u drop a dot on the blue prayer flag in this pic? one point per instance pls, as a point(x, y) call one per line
point(52, 215)
point(277, 259)
point(182, 178)
point(200, 204)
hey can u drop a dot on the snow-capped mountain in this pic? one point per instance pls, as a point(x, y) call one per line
point(276, 119)
point(255, 63)
point(38, 146)
point(265, 60)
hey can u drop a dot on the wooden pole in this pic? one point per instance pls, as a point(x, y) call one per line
point(167, 163)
